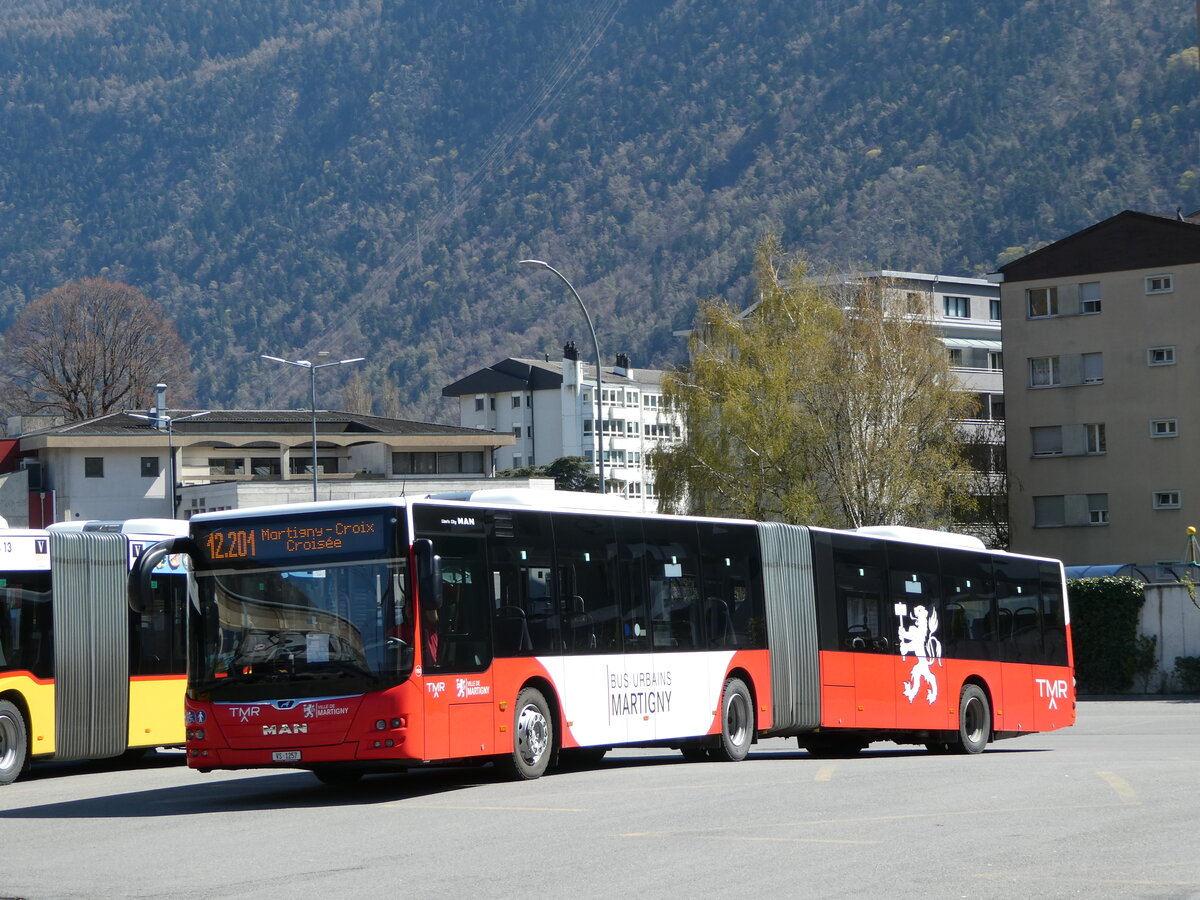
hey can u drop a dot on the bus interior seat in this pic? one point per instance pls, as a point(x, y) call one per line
point(721, 632)
point(512, 631)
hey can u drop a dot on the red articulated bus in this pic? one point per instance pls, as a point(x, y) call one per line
point(345, 638)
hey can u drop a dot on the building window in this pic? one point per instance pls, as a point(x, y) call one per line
point(1089, 298)
point(1160, 356)
point(957, 307)
point(516, 461)
point(1044, 371)
point(478, 404)
point(1166, 500)
point(149, 466)
point(956, 358)
point(516, 432)
point(1047, 440)
point(1058, 511)
point(226, 466)
point(1164, 428)
point(1042, 302)
point(1049, 512)
point(93, 467)
point(1094, 440)
point(996, 360)
point(1159, 284)
point(1093, 368)
point(994, 310)
point(265, 465)
point(587, 426)
point(516, 401)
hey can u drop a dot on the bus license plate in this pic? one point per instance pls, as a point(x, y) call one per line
point(285, 756)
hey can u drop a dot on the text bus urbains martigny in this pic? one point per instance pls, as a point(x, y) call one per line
point(351, 637)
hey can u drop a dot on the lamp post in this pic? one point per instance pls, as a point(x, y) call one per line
point(599, 425)
point(312, 371)
point(164, 422)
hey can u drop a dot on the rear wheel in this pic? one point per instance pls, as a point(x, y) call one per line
point(737, 722)
point(14, 743)
point(974, 720)
point(533, 736)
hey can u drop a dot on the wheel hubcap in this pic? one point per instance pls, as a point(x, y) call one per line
point(533, 735)
point(737, 719)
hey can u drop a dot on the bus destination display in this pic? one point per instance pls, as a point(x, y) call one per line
point(293, 538)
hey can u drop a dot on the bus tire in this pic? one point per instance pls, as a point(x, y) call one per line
point(533, 736)
point(14, 743)
point(974, 720)
point(737, 722)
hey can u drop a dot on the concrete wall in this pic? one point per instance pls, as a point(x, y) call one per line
point(1171, 616)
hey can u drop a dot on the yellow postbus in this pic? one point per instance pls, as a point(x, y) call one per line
point(81, 676)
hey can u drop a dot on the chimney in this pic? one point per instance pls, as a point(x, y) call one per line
point(160, 406)
point(622, 367)
point(571, 374)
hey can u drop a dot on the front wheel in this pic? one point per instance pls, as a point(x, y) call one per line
point(533, 736)
point(737, 722)
point(14, 743)
point(974, 720)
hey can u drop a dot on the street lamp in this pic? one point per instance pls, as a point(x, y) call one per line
point(312, 371)
point(599, 365)
point(164, 422)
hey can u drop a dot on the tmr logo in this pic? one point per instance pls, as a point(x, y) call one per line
point(1052, 690)
point(435, 687)
point(298, 728)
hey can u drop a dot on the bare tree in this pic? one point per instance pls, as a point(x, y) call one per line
point(91, 347)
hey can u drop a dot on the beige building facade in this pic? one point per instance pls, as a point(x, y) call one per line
point(1102, 392)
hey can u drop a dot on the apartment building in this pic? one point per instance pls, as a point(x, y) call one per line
point(1103, 414)
point(549, 408)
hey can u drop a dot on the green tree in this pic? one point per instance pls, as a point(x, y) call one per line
point(827, 402)
point(570, 473)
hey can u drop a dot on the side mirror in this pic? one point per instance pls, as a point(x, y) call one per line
point(429, 574)
point(143, 569)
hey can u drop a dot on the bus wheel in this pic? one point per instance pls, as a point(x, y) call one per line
point(14, 743)
point(737, 722)
point(974, 720)
point(533, 736)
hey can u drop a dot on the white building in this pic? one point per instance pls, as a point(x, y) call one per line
point(550, 410)
point(122, 465)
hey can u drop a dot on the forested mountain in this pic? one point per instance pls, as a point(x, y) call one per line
point(289, 176)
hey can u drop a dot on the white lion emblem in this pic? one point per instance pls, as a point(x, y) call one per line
point(919, 640)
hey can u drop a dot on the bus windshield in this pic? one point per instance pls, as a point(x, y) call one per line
point(290, 631)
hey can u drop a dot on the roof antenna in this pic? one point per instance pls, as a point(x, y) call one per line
point(1179, 213)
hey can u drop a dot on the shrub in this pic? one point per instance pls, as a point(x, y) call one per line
point(1104, 620)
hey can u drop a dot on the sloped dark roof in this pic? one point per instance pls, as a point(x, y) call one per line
point(520, 374)
point(237, 421)
point(1129, 240)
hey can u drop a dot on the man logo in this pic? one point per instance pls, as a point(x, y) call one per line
point(298, 728)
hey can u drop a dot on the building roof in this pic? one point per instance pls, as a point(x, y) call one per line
point(522, 374)
point(1127, 241)
point(237, 427)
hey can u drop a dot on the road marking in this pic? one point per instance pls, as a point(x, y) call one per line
point(825, 773)
point(1120, 785)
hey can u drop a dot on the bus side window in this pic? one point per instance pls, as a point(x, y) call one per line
point(587, 573)
point(676, 609)
point(631, 583)
point(1054, 620)
point(859, 590)
point(1018, 593)
point(969, 599)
